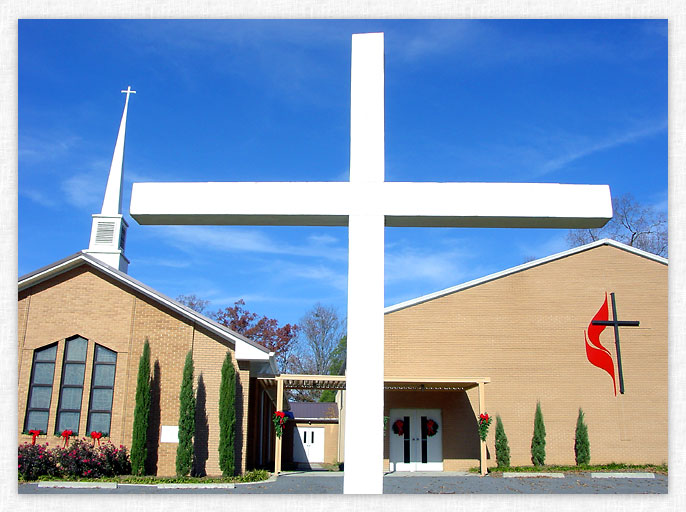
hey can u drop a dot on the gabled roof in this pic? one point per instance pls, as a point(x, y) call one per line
point(246, 349)
point(525, 266)
point(314, 410)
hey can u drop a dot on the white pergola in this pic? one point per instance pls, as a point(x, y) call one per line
point(367, 204)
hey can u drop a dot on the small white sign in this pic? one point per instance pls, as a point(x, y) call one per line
point(170, 434)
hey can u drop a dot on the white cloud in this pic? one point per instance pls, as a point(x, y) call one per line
point(162, 262)
point(330, 277)
point(410, 264)
point(45, 147)
point(239, 239)
point(85, 191)
point(38, 197)
point(584, 147)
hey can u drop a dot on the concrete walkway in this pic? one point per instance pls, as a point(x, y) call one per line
point(321, 482)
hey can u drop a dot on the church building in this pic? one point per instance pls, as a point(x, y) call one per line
point(582, 329)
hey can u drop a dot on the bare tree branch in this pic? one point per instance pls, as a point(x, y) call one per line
point(633, 224)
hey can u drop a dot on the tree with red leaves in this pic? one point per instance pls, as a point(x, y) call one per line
point(265, 331)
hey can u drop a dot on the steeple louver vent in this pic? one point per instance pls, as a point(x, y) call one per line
point(105, 233)
point(122, 237)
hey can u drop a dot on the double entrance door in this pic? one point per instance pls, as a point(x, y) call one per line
point(415, 449)
point(308, 444)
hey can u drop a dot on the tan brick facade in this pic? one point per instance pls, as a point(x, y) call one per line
point(526, 332)
point(84, 302)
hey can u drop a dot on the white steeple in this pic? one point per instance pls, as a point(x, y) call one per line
point(108, 232)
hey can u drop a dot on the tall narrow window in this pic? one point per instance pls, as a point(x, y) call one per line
point(40, 389)
point(71, 390)
point(102, 391)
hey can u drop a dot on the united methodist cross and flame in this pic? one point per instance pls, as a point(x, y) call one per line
point(597, 354)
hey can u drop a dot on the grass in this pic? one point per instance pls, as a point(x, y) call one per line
point(256, 475)
point(598, 468)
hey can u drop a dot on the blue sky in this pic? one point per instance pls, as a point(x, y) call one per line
point(573, 101)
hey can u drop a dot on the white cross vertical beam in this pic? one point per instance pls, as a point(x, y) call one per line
point(364, 360)
point(365, 205)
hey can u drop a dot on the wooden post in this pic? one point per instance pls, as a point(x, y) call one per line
point(278, 444)
point(482, 408)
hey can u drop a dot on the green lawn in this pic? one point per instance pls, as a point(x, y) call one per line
point(613, 467)
point(251, 476)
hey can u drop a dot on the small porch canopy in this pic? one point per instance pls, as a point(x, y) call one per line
point(337, 382)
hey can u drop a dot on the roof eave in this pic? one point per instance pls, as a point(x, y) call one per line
point(81, 258)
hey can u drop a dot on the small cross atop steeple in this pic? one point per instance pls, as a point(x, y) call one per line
point(128, 91)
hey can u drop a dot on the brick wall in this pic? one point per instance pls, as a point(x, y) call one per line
point(103, 311)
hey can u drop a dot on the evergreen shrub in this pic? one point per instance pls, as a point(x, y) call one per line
point(538, 439)
point(502, 448)
point(227, 418)
point(141, 414)
point(582, 448)
point(184, 452)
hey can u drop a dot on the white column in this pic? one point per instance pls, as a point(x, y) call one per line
point(364, 366)
point(364, 387)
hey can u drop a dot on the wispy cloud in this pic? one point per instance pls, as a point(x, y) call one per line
point(38, 197)
point(84, 191)
point(239, 239)
point(163, 262)
point(411, 264)
point(37, 148)
point(584, 147)
point(315, 272)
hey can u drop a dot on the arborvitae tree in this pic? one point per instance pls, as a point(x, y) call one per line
point(582, 448)
point(538, 440)
point(141, 413)
point(184, 452)
point(502, 448)
point(227, 418)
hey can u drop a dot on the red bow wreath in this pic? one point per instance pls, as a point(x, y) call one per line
point(399, 427)
point(484, 423)
point(66, 434)
point(96, 437)
point(431, 428)
point(35, 434)
point(279, 421)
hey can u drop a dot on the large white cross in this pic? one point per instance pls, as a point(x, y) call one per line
point(366, 204)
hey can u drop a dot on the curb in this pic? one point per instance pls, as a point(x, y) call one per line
point(196, 486)
point(79, 485)
point(622, 475)
point(532, 475)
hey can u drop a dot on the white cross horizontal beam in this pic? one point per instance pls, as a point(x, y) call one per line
point(514, 205)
